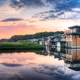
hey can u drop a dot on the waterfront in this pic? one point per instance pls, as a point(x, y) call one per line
point(32, 66)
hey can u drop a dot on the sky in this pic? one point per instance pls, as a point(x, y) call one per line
point(19, 17)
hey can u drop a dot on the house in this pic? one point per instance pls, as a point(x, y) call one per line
point(73, 37)
point(58, 43)
point(72, 56)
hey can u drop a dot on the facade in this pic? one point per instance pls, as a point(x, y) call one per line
point(73, 37)
point(72, 56)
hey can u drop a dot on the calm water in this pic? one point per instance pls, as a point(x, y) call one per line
point(32, 66)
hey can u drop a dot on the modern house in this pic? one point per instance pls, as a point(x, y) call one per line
point(72, 56)
point(73, 37)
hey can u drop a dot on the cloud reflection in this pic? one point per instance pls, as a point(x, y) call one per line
point(28, 58)
point(30, 66)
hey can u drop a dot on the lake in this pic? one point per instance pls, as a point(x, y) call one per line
point(33, 66)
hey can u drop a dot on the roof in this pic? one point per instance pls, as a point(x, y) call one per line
point(74, 27)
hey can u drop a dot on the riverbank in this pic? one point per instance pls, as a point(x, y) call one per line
point(20, 46)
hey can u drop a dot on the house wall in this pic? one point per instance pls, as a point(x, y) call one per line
point(73, 45)
point(76, 55)
point(76, 41)
point(73, 42)
point(73, 55)
point(76, 52)
point(68, 41)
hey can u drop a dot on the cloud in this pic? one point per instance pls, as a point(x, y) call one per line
point(26, 3)
point(47, 9)
point(64, 4)
point(11, 19)
point(60, 9)
point(51, 14)
point(57, 4)
point(2, 2)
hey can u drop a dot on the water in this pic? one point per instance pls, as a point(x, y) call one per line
point(32, 66)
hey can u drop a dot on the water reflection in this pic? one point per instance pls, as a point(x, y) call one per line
point(28, 58)
point(75, 53)
point(31, 66)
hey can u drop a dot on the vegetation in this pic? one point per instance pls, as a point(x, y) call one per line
point(21, 42)
point(20, 46)
point(26, 37)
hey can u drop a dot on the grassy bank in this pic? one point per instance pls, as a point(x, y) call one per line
point(20, 46)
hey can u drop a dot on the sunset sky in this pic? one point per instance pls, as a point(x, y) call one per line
point(19, 17)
